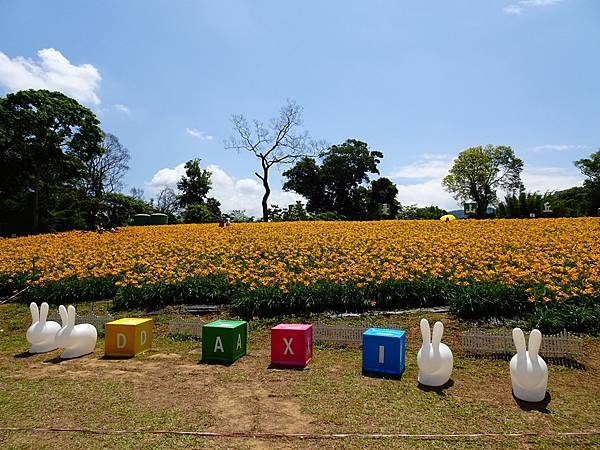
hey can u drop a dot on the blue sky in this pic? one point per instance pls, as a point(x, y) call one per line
point(419, 81)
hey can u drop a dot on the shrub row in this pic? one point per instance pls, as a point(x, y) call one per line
point(477, 301)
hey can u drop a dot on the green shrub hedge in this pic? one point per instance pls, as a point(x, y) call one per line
point(477, 301)
point(71, 290)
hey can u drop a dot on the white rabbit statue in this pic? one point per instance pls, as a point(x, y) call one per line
point(434, 359)
point(528, 371)
point(76, 340)
point(41, 334)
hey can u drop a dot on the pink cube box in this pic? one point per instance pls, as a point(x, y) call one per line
point(291, 345)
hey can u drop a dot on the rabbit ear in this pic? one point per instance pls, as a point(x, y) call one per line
point(63, 315)
point(35, 312)
point(44, 312)
point(438, 330)
point(425, 331)
point(535, 341)
point(71, 311)
point(519, 340)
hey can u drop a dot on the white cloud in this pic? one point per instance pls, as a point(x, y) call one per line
point(121, 108)
point(53, 72)
point(513, 9)
point(166, 177)
point(244, 193)
point(539, 2)
point(198, 134)
point(427, 193)
point(560, 147)
point(429, 166)
point(543, 179)
point(518, 7)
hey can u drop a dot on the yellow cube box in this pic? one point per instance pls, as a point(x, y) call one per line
point(127, 337)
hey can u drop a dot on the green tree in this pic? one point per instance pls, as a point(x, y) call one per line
point(337, 184)
point(384, 192)
point(478, 172)
point(295, 212)
point(275, 213)
point(118, 209)
point(413, 212)
point(199, 213)
point(590, 167)
point(194, 185)
point(572, 202)
point(306, 179)
point(239, 215)
point(45, 140)
point(523, 205)
point(282, 141)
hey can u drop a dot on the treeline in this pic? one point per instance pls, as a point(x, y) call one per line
point(60, 171)
point(479, 172)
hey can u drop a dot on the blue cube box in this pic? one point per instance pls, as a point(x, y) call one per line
point(383, 351)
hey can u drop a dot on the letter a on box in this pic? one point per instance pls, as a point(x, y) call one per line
point(218, 345)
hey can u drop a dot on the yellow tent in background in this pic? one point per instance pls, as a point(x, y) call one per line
point(447, 218)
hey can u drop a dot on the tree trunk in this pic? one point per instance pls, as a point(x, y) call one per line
point(479, 199)
point(36, 208)
point(265, 181)
point(481, 209)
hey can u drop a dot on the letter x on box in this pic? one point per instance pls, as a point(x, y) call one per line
point(224, 341)
point(291, 345)
point(383, 351)
point(127, 337)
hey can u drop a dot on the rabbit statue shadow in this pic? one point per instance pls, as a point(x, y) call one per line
point(528, 371)
point(76, 340)
point(41, 334)
point(434, 359)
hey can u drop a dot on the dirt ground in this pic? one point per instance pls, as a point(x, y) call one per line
point(169, 389)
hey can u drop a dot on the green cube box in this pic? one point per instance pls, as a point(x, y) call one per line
point(224, 341)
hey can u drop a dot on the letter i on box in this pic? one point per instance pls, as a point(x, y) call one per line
point(291, 345)
point(383, 351)
point(127, 337)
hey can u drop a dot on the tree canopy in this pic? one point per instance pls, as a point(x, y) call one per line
point(46, 138)
point(590, 167)
point(338, 184)
point(478, 173)
point(194, 187)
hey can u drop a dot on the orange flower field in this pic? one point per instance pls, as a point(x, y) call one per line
point(561, 254)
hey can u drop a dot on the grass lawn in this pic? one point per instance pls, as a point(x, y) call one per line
point(167, 389)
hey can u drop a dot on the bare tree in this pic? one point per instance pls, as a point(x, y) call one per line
point(137, 193)
point(104, 173)
point(167, 201)
point(280, 141)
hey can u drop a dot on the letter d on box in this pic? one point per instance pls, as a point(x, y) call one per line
point(127, 337)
